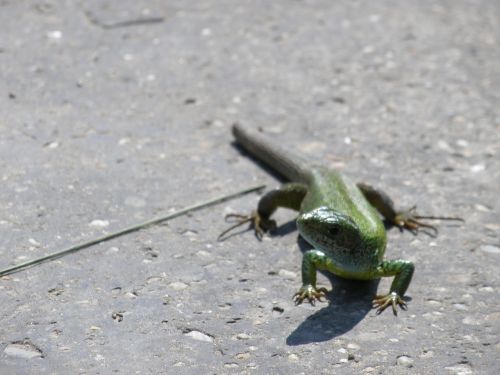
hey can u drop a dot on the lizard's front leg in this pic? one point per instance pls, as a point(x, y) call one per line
point(312, 261)
point(403, 271)
point(289, 195)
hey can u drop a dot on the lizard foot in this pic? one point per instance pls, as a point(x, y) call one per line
point(393, 299)
point(410, 220)
point(259, 224)
point(311, 293)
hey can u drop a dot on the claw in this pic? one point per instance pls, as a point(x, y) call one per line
point(393, 299)
point(237, 216)
point(311, 293)
point(242, 220)
point(410, 220)
point(259, 224)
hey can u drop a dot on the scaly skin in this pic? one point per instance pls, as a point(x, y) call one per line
point(349, 239)
point(340, 219)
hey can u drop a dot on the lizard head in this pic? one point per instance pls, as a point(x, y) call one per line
point(328, 229)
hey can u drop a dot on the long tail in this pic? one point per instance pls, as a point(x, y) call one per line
point(284, 162)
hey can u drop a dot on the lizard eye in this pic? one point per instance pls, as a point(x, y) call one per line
point(333, 231)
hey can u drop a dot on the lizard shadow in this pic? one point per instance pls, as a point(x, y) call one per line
point(349, 301)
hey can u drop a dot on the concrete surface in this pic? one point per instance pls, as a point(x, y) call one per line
point(113, 112)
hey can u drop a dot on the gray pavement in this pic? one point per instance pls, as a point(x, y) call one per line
point(114, 112)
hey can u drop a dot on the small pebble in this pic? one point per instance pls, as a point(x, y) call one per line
point(52, 145)
point(490, 249)
point(461, 369)
point(189, 233)
point(404, 360)
point(481, 207)
point(477, 168)
point(25, 351)
point(34, 242)
point(177, 285)
point(203, 254)
point(123, 141)
point(55, 34)
point(460, 306)
point(196, 335)
point(443, 145)
point(487, 289)
point(470, 321)
point(242, 355)
point(99, 223)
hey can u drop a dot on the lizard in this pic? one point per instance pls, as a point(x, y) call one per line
point(342, 221)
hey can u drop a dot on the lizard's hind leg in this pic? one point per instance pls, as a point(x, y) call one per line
point(289, 195)
point(407, 219)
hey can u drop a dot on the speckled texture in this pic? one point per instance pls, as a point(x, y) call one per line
point(105, 123)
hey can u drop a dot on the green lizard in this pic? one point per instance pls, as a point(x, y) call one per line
point(339, 218)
